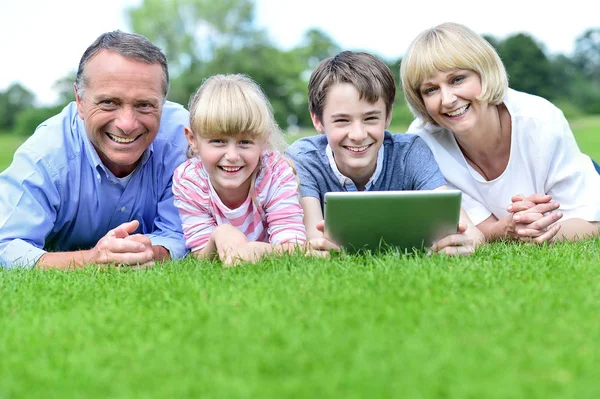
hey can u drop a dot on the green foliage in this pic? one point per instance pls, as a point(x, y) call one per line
point(527, 65)
point(12, 101)
point(29, 119)
point(510, 321)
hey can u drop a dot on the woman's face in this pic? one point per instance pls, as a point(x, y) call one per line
point(450, 100)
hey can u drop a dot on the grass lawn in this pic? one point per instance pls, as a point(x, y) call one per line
point(513, 321)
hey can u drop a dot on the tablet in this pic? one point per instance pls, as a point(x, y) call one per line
point(374, 221)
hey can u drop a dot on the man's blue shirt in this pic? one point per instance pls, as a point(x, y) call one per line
point(58, 196)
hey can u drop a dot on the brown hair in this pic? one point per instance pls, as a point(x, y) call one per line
point(371, 77)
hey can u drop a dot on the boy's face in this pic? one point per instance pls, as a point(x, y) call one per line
point(354, 129)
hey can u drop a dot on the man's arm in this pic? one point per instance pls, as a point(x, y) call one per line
point(117, 247)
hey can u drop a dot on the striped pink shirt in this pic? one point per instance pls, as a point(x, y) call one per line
point(277, 219)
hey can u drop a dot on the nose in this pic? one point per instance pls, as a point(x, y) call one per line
point(358, 132)
point(126, 120)
point(448, 96)
point(232, 153)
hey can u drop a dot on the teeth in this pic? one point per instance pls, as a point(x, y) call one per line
point(231, 168)
point(122, 140)
point(459, 111)
point(358, 149)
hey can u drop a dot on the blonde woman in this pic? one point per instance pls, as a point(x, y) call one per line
point(512, 154)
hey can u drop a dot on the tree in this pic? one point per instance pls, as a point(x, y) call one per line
point(190, 31)
point(527, 65)
point(15, 99)
point(587, 54)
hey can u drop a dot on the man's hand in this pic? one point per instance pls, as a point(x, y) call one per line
point(120, 247)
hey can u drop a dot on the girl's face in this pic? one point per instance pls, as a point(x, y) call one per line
point(450, 100)
point(229, 162)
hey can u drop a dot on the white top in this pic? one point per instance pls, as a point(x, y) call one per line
point(544, 158)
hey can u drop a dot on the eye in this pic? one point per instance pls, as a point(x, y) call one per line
point(246, 142)
point(458, 79)
point(107, 103)
point(428, 90)
point(372, 118)
point(216, 141)
point(340, 120)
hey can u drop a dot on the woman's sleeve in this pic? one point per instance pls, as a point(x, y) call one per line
point(572, 179)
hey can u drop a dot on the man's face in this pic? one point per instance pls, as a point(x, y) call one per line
point(354, 129)
point(121, 107)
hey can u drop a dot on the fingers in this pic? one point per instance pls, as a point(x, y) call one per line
point(123, 230)
point(521, 202)
point(537, 220)
point(454, 244)
point(129, 250)
point(536, 198)
point(322, 244)
point(539, 237)
point(321, 226)
point(523, 206)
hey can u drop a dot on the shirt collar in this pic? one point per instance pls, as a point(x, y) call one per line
point(345, 181)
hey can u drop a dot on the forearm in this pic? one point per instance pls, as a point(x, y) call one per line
point(64, 260)
point(577, 229)
point(160, 253)
point(496, 230)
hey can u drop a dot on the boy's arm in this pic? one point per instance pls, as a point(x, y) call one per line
point(317, 242)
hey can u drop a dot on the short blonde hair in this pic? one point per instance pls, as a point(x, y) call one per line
point(230, 105)
point(444, 48)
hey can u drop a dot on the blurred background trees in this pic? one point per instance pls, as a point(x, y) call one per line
point(205, 37)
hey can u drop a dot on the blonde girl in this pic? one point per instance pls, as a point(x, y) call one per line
point(237, 195)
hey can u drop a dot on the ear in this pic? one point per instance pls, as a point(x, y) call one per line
point(388, 119)
point(317, 123)
point(189, 135)
point(79, 102)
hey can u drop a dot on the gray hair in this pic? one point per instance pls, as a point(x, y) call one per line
point(130, 45)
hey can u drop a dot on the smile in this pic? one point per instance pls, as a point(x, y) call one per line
point(231, 169)
point(122, 140)
point(357, 149)
point(459, 111)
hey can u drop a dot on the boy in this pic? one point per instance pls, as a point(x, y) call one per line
point(350, 99)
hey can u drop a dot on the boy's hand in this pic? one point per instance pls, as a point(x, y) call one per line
point(462, 243)
point(321, 245)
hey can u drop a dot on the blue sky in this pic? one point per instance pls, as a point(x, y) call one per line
point(42, 40)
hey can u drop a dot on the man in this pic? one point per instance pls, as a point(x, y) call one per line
point(92, 185)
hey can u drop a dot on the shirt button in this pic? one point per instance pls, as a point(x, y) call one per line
point(123, 209)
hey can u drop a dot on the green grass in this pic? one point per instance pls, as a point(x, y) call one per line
point(511, 321)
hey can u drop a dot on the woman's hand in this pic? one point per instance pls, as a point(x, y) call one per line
point(533, 218)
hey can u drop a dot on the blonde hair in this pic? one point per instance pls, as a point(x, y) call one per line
point(234, 104)
point(444, 48)
point(230, 105)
